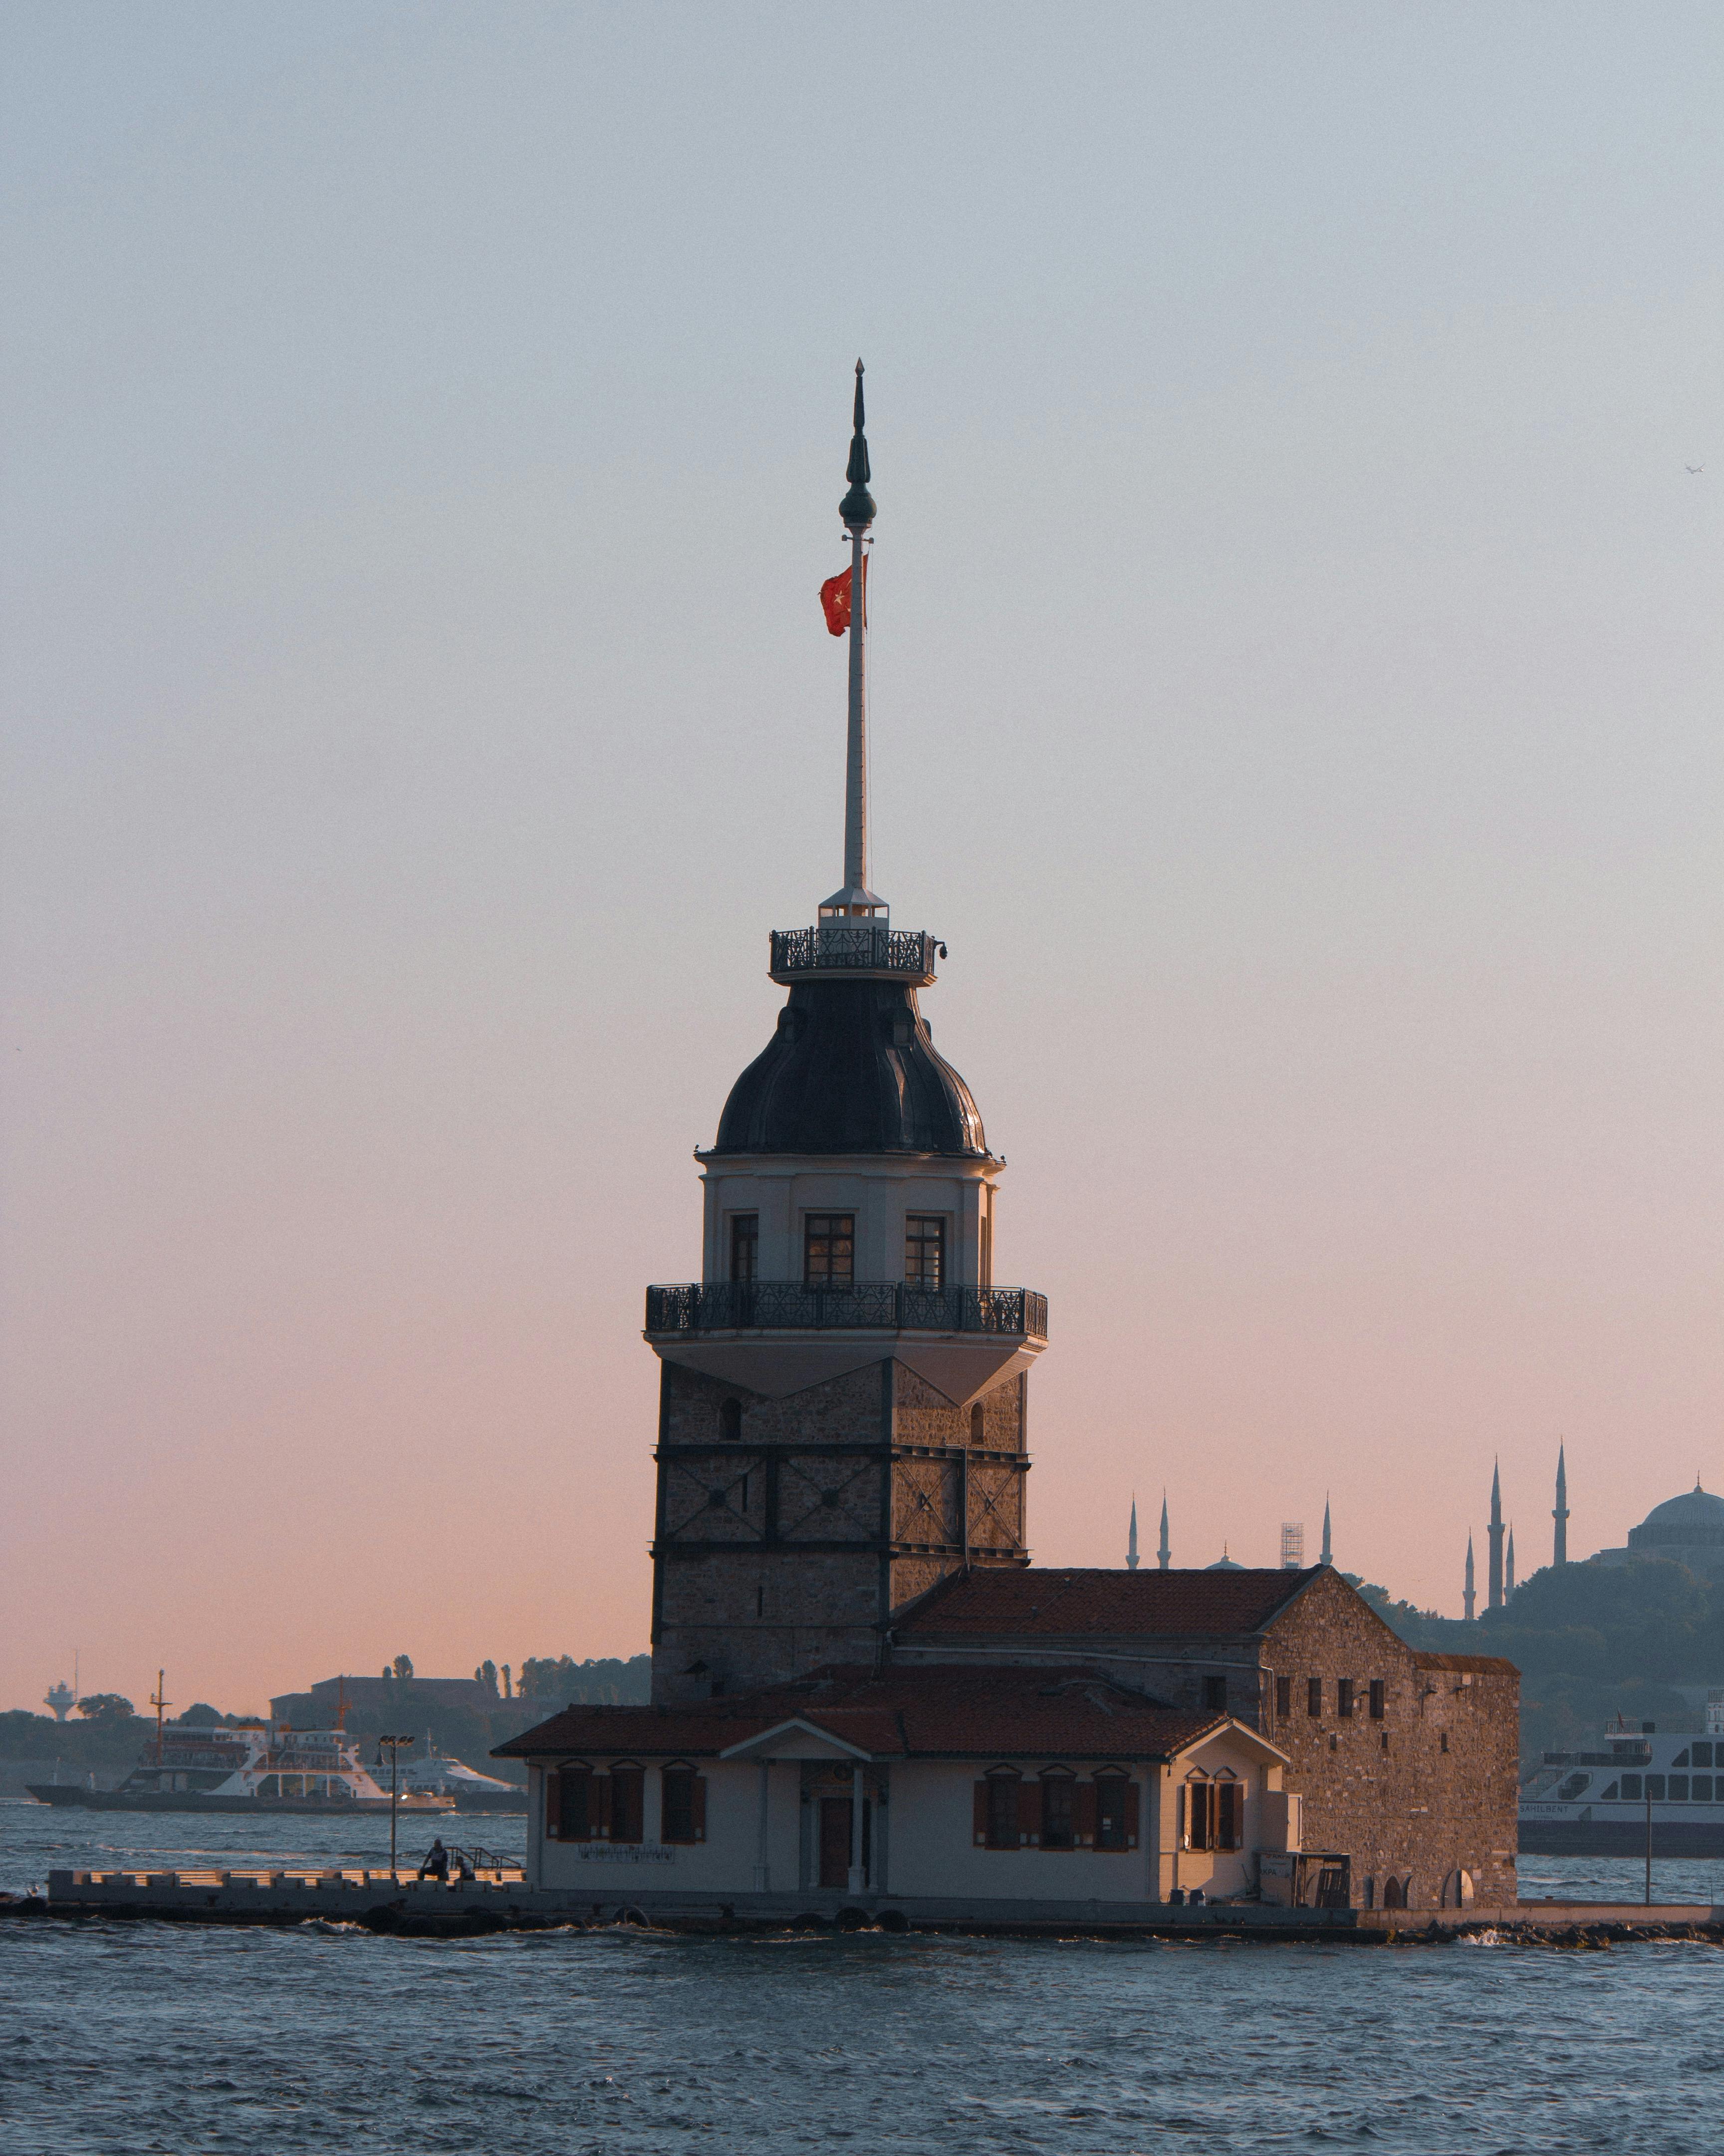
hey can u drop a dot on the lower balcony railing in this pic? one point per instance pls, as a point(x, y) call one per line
point(869, 1306)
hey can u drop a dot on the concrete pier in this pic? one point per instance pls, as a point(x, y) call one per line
point(501, 1901)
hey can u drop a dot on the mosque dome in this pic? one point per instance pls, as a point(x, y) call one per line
point(1693, 1520)
point(851, 1069)
point(1224, 1563)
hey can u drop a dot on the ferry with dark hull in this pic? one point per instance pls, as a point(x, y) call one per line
point(1636, 1785)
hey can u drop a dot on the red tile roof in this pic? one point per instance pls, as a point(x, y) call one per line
point(937, 1713)
point(1069, 1601)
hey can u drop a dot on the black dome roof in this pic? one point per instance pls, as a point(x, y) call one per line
point(851, 1069)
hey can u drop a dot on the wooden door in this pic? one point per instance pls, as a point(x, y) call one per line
point(834, 1842)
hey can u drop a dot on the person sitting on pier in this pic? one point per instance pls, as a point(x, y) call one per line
point(436, 1863)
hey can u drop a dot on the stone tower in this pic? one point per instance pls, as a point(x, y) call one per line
point(843, 1413)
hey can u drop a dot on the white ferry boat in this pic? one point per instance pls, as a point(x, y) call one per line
point(258, 1767)
point(439, 1774)
point(1603, 1801)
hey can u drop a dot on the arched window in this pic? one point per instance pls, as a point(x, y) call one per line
point(729, 1419)
point(1394, 1894)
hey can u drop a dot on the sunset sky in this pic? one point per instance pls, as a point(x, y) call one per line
point(1297, 660)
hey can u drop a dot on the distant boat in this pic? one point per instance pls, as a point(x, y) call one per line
point(1598, 1802)
point(258, 1767)
point(438, 1775)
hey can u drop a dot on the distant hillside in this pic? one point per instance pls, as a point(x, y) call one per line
point(1591, 1641)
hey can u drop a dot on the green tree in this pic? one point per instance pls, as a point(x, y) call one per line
point(104, 1707)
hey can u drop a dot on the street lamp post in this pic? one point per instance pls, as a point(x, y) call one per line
point(394, 1744)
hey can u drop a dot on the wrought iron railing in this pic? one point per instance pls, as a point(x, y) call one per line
point(858, 947)
point(869, 1306)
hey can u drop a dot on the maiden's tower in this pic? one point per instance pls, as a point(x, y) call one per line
point(843, 1396)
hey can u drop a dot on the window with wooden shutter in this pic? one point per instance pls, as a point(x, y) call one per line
point(553, 1823)
point(1058, 1820)
point(1030, 1816)
point(628, 1803)
point(598, 1809)
point(1116, 1812)
point(1087, 1815)
point(1229, 1815)
point(700, 1808)
point(676, 1804)
point(978, 1815)
point(1198, 1818)
point(574, 1811)
point(1002, 1810)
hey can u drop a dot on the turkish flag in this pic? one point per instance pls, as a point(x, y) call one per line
point(835, 599)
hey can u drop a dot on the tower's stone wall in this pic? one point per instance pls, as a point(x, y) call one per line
point(789, 1529)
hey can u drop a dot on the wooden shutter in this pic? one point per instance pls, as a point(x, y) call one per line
point(553, 1801)
point(1029, 1814)
point(698, 1807)
point(979, 1816)
point(1084, 1815)
point(1229, 1826)
point(599, 1808)
point(1131, 1814)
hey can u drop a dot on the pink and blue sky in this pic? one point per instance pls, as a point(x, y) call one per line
point(1296, 669)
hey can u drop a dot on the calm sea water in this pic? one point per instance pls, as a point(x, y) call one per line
point(145, 2037)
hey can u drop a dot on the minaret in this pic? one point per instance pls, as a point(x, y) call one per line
point(1469, 1594)
point(843, 1394)
point(1508, 1575)
point(1494, 1536)
point(1164, 1556)
point(1328, 1555)
point(1132, 1540)
point(1559, 1545)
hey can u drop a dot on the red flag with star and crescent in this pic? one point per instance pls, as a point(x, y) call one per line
point(835, 599)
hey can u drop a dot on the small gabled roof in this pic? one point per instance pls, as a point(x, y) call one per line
point(938, 1713)
point(1066, 1602)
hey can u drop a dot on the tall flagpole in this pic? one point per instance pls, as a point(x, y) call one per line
point(857, 511)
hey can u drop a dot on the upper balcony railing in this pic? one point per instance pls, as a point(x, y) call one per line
point(869, 1306)
point(860, 947)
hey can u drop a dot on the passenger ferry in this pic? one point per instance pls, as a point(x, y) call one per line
point(258, 1767)
point(1601, 1802)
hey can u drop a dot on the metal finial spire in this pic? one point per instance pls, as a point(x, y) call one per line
point(857, 507)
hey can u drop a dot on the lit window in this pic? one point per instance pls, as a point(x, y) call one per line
point(924, 1250)
point(829, 1250)
point(745, 1245)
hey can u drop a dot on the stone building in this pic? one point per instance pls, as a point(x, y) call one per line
point(863, 1692)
